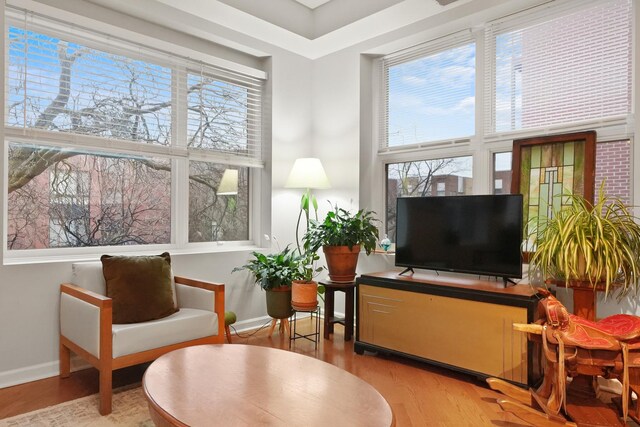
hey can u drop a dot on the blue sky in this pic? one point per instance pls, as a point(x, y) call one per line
point(433, 98)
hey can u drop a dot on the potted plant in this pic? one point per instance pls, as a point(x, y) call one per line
point(341, 236)
point(274, 273)
point(304, 290)
point(589, 247)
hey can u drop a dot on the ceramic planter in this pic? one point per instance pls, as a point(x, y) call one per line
point(304, 295)
point(341, 262)
point(279, 302)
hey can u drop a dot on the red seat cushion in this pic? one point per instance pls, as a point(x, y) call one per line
point(622, 326)
point(584, 333)
point(606, 334)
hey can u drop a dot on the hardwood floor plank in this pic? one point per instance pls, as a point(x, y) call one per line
point(419, 394)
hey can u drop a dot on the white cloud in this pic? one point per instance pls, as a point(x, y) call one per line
point(413, 80)
point(466, 104)
point(405, 100)
point(456, 75)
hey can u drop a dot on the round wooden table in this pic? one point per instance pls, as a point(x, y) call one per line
point(244, 385)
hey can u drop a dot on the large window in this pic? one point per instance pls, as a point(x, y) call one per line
point(558, 68)
point(429, 94)
point(103, 137)
point(86, 199)
point(437, 177)
point(570, 66)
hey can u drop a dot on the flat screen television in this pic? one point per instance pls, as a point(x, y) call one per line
point(467, 234)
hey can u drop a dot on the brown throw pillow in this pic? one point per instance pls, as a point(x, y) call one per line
point(140, 287)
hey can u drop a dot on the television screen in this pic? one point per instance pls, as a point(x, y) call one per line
point(467, 234)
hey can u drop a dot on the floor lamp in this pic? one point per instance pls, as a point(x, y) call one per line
point(228, 187)
point(307, 173)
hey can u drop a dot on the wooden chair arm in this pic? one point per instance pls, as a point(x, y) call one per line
point(209, 286)
point(89, 297)
point(105, 307)
point(216, 288)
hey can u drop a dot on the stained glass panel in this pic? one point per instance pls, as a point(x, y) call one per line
point(550, 168)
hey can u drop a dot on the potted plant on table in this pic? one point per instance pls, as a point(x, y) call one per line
point(589, 248)
point(274, 273)
point(341, 236)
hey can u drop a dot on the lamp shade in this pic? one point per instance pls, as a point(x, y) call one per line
point(229, 183)
point(307, 173)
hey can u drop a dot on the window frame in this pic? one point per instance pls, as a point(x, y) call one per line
point(177, 151)
point(420, 51)
point(484, 144)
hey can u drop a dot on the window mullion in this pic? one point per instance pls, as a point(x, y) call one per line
point(180, 188)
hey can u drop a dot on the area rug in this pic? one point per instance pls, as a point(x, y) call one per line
point(129, 409)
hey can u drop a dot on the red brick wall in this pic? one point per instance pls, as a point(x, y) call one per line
point(613, 164)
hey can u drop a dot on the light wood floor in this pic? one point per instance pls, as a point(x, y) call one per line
point(420, 395)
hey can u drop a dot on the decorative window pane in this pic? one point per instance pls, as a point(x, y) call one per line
point(438, 177)
point(502, 173)
point(61, 197)
point(218, 202)
point(63, 86)
point(431, 97)
point(563, 68)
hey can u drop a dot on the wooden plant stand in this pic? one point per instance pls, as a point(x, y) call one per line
point(284, 326)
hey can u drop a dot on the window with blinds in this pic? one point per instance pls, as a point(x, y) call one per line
point(127, 119)
point(559, 65)
point(429, 93)
point(224, 112)
point(59, 85)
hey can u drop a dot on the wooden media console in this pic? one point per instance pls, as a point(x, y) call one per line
point(462, 324)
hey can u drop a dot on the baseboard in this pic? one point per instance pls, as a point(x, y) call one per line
point(28, 374)
point(256, 322)
point(51, 369)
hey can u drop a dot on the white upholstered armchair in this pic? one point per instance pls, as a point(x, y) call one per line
point(86, 327)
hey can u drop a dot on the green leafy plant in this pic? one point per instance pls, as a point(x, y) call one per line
point(600, 245)
point(307, 269)
point(275, 270)
point(342, 228)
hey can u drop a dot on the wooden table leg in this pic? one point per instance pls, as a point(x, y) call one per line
point(329, 304)
point(348, 313)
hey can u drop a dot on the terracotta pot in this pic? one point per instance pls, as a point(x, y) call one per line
point(279, 302)
point(304, 295)
point(342, 262)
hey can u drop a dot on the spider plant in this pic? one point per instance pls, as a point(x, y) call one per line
point(599, 245)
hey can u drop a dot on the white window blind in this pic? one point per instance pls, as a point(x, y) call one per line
point(428, 93)
point(125, 122)
point(57, 83)
point(559, 65)
point(65, 79)
point(224, 112)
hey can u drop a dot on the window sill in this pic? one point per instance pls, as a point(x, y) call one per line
point(222, 247)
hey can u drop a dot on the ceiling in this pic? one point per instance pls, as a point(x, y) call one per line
point(312, 4)
point(311, 28)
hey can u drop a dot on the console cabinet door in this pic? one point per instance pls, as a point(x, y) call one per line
point(472, 335)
